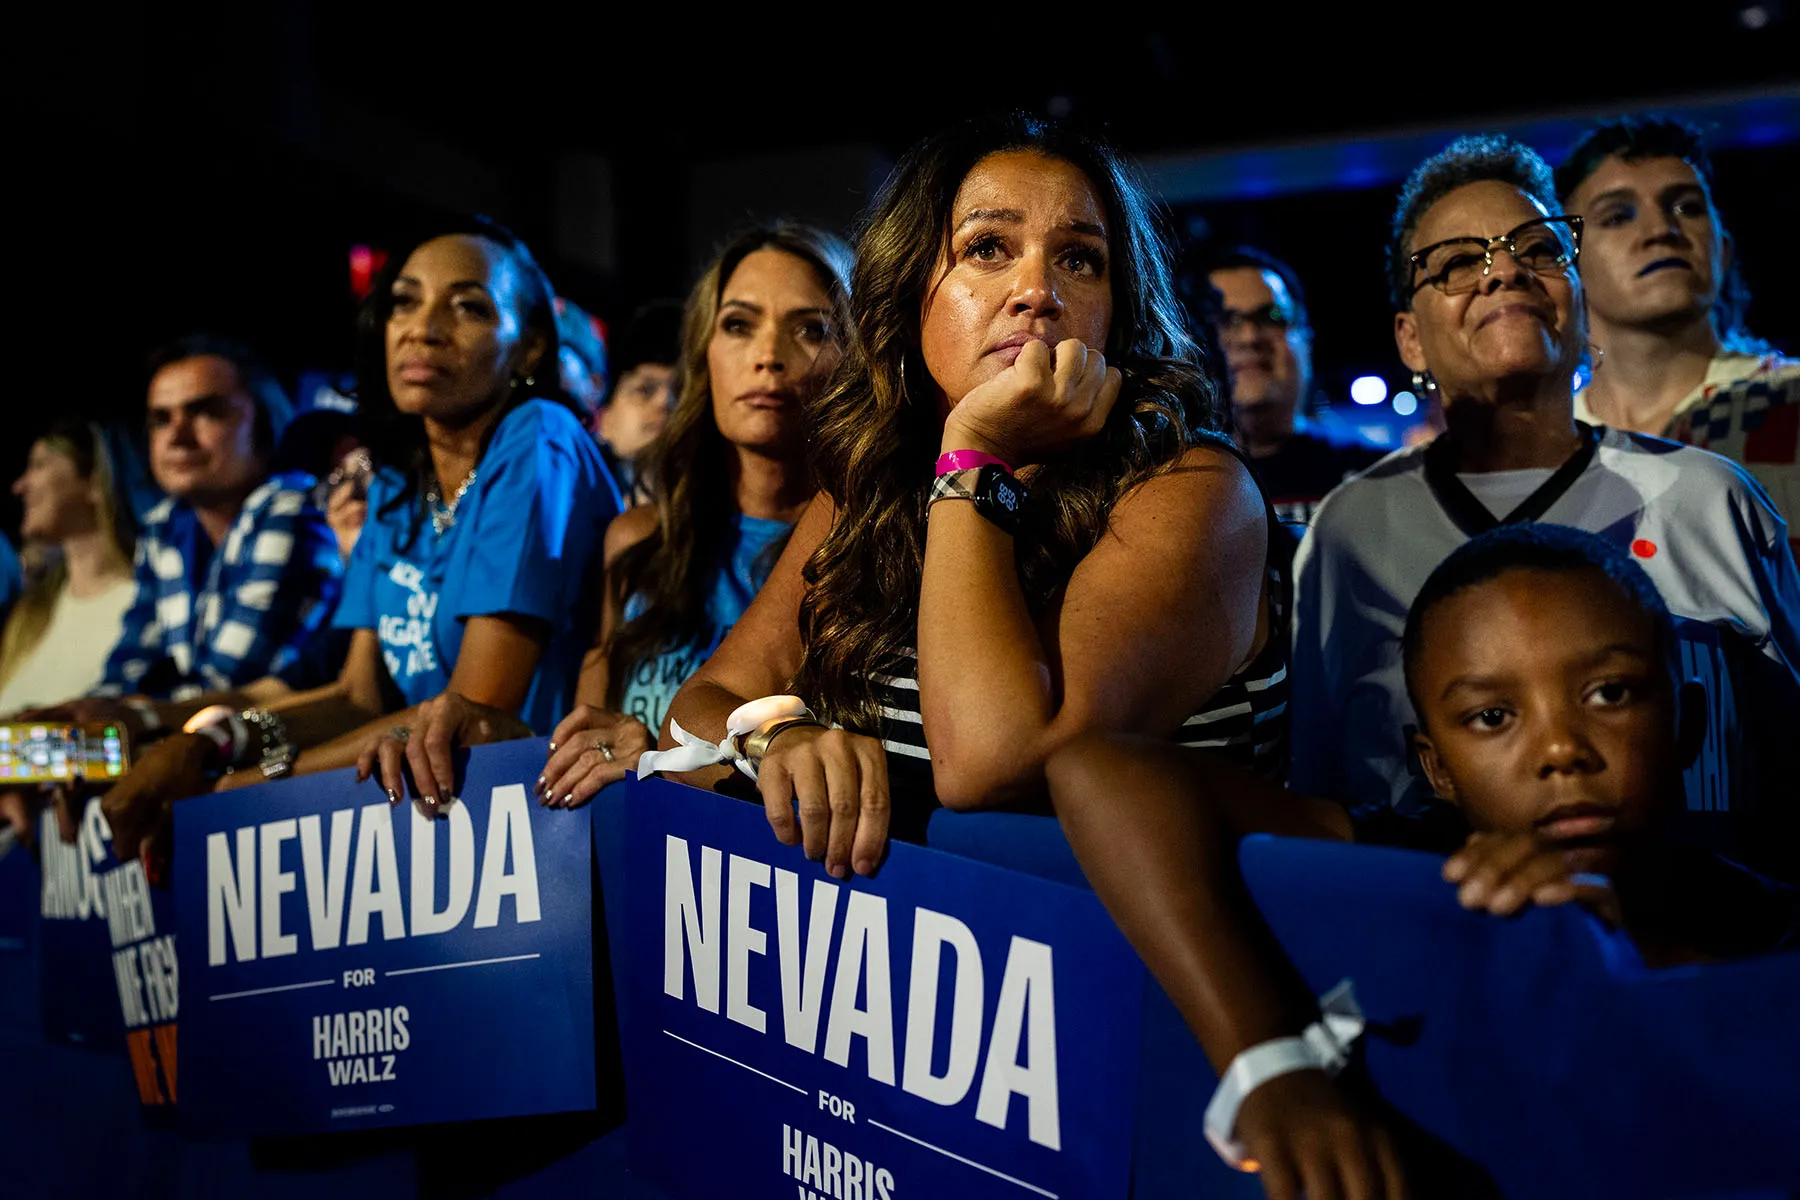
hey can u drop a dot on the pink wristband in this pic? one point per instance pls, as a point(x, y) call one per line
point(968, 460)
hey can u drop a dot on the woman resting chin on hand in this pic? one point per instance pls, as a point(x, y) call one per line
point(1096, 555)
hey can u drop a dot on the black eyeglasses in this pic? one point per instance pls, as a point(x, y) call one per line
point(1270, 318)
point(1545, 246)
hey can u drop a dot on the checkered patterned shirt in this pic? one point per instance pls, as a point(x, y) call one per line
point(1755, 420)
point(205, 622)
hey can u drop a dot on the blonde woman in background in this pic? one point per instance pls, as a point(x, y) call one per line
point(78, 537)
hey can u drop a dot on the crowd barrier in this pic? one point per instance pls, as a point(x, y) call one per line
point(966, 1023)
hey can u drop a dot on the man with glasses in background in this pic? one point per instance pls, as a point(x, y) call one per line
point(1665, 303)
point(1267, 343)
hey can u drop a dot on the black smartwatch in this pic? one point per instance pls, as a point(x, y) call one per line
point(996, 494)
point(999, 497)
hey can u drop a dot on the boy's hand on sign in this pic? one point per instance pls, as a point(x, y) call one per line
point(1501, 873)
point(1309, 1138)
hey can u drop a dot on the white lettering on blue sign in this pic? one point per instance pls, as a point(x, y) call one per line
point(837, 1174)
point(72, 889)
point(351, 875)
point(1024, 1017)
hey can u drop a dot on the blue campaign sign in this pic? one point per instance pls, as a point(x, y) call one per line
point(77, 987)
point(19, 890)
point(348, 964)
point(947, 1028)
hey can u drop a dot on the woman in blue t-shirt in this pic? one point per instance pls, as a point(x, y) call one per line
point(728, 480)
point(475, 566)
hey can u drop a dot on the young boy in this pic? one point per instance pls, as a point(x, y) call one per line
point(1540, 661)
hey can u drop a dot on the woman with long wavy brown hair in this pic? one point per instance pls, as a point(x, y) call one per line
point(1097, 556)
point(727, 477)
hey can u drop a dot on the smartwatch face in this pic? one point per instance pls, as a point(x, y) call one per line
point(1005, 494)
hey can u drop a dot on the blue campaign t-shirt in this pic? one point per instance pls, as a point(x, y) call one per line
point(651, 683)
point(525, 542)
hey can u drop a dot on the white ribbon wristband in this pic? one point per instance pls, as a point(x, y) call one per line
point(1323, 1046)
point(693, 752)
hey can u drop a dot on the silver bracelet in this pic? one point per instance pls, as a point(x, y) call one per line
point(275, 753)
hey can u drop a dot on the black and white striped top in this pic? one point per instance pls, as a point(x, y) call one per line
point(1245, 719)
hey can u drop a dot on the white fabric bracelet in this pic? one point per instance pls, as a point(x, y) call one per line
point(1323, 1046)
point(693, 752)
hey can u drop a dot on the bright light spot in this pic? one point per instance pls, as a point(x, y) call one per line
point(1754, 17)
point(1405, 403)
point(1368, 389)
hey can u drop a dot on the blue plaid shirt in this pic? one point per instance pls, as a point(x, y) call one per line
point(208, 618)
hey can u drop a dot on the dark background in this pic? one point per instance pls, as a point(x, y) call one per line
point(183, 168)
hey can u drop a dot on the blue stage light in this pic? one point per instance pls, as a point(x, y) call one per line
point(1405, 403)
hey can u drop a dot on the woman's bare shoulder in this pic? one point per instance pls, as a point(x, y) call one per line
point(628, 529)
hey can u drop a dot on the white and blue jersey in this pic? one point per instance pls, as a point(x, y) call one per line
point(524, 543)
point(1703, 530)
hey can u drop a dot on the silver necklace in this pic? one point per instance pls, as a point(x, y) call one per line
point(443, 516)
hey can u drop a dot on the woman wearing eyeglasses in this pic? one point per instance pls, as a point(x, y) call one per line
point(1490, 315)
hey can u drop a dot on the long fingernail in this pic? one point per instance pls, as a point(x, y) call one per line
point(540, 785)
point(552, 749)
point(566, 799)
point(392, 795)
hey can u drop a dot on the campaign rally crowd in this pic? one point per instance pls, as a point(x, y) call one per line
point(993, 507)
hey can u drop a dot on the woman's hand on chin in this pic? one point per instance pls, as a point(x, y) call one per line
point(591, 748)
point(1042, 403)
point(837, 780)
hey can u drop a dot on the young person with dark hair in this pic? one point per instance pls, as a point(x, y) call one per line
point(1544, 667)
point(1489, 308)
point(473, 569)
point(764, 330)
point(1666, 304)
point(647, 357)
point(1266, 335)
point(1088, 552)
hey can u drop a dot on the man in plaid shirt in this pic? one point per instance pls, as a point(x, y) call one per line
point(237, 568)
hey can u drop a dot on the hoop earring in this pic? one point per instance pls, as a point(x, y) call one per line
point(1599, 355)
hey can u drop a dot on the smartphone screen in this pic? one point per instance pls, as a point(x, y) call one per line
point(52, 753)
